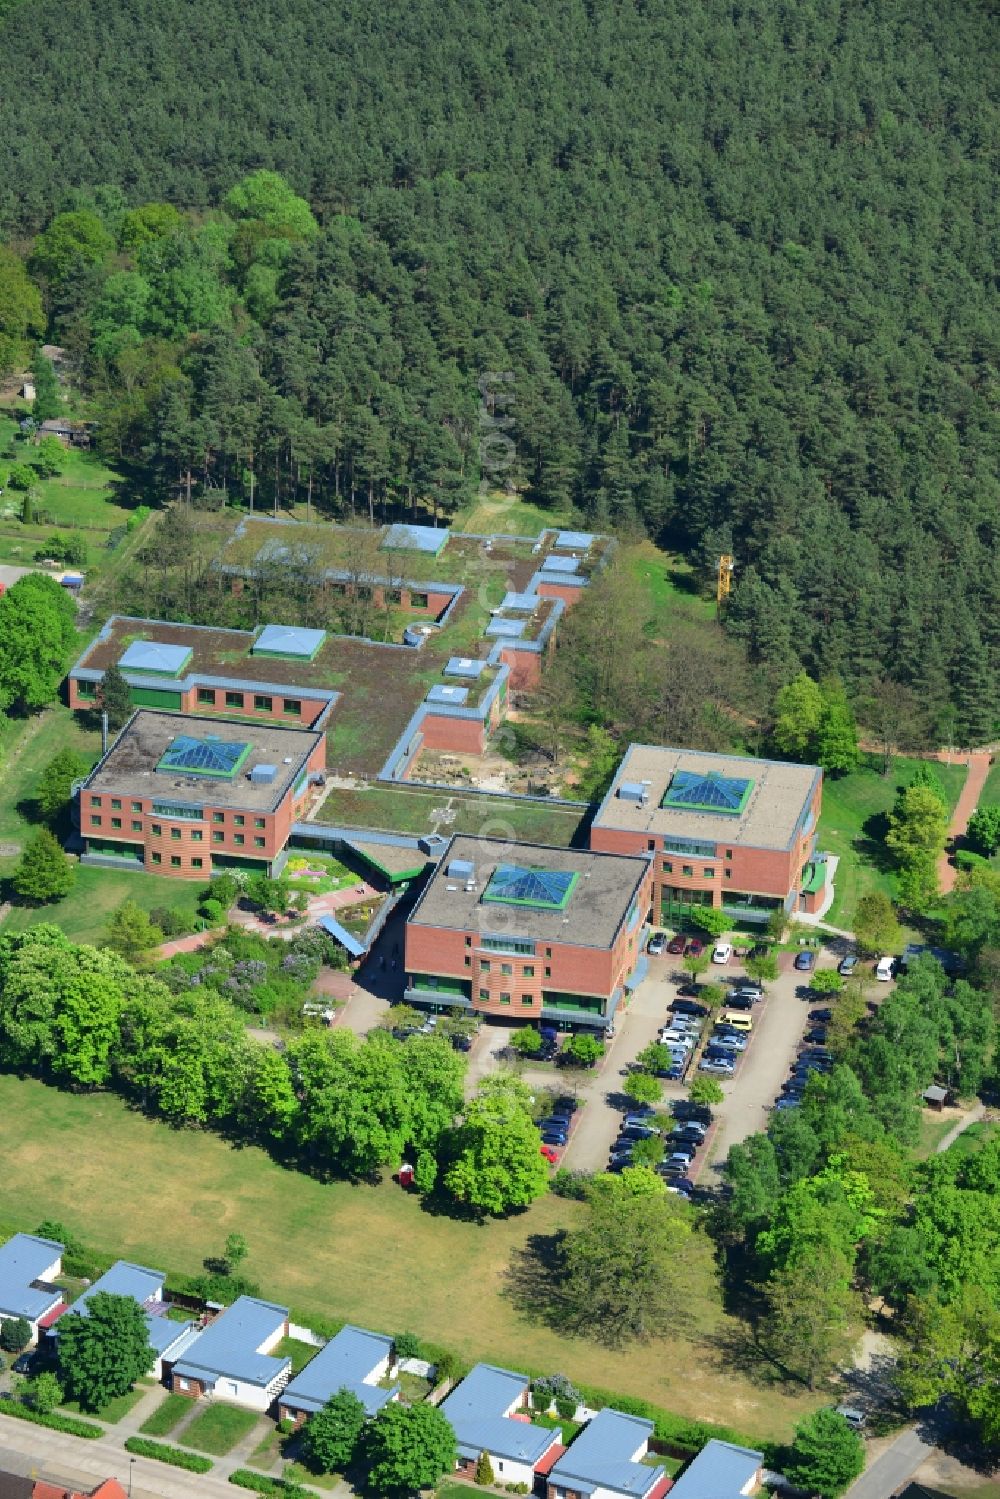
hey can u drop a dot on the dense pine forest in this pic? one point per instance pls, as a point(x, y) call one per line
point(740, 259)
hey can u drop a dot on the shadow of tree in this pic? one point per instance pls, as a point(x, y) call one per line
point(533, 1279)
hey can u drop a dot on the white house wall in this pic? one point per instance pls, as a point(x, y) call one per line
point(508, 1471)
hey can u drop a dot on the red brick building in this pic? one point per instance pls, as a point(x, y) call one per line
point(722, 831)
point(555, 936)
point(185, 796)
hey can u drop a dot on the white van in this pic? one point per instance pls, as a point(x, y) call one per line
point(722, 952)
point(883, 969)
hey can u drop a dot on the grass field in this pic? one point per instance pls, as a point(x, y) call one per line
point(168, 1414)
point(218, 1428)
point(133, 1188)
point(83, 497)
point(32, 744)
point(84, 913)
point(506, 514)
point(669, 584)
point(111, 1411)
point(397, 811)
point(990, 794)
point(852, 825)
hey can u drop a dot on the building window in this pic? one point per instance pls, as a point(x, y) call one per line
point(238, 819)
point(182, 1384)
point(729, 853)
point(137, 806)
point(218, 837)
point(175, 861)
point(155, 829)
point(548, 973)
point(95, 822)
point(468, 941)
point(505, 999)
point(467, 961)
point(116, 822)
point(709, 872)
point(197, 836)
point(156, 857)
point(529, 970)
point(259, 842)
point(206, 695)
point(668, 868)
point(258, 822)
point(218, 816)
point(507, 969)
point(548, 952)
point(175, 833)
point(484, 965)
point(239, 838)
point(234, 700)
point(116, 804)
point(292, 705)
point(87, 689)
point(263, 704)
point(527, 999)
point(651, 845)
point(196, 863)
point(418, 601)
point(687, 869)
point(484, 994)
point(137, 827)
point(95, 801)
point(728, 873)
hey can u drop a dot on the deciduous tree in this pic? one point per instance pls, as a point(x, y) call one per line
point(826, 1455)
point(495, 1160)
point(103, 1351)
point(408, 1447)
point(331, 1435)
point(43, 873)
point(114, 697)
point(56, 780)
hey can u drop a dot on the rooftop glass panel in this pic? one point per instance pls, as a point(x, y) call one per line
point(544, 889)
point(404, 538)
point(153, 656)
point(288, 640)
point(694, 791)
point(221, 758)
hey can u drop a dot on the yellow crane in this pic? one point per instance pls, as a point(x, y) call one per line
point(725, 578)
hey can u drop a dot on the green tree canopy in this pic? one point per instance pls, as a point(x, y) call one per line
point(826, 1455)
point(495, 1160)
point(408, 1447)
point(43, 873)
point(37, 631)
point(331, 1436)
point(56, 780)
point(103, 1351)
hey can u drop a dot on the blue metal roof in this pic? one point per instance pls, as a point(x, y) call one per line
point(442, 693)
point(508, 629)
point(575, 541)
point(477, 1412)
point(142, 1285)
point(151, 655)
point(464, 666)
point(525, 603)
point(553, 564)
point(228, 1346)
point(720, 1471)
point(289, 640)
point(340, 934)
point(24, 1259)
point(346, 1362)
point(416, 538)
point(603, 1456)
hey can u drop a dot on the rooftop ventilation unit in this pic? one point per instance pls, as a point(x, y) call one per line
point(461, 869)
point(264, 775)
point(632, 791)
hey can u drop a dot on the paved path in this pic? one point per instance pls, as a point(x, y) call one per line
point(896, 1465)
point(968, 801)
point(961, 1125)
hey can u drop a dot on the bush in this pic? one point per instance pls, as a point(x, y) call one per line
point(246, 1478)
point(556, 1389)
point(139, 514)
point(71, 1425)
point(171, 923)
point(222, 1288)
point(162, 1452)
point(407, 1345)
point(573, 1184)
point(15, 1334)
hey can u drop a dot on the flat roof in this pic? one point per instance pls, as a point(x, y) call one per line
point(766, 816)
point(134, 764)
point(721, 1470)
point(23, 1261)
point(583, 897)
point(143, 1286)
point(348, 1361)
point(477, 1410)
point(228, 1346)
point(442, 692)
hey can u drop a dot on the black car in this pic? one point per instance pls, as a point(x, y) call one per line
point(816, 1036)
point(821, 1017)
point(740, 1002)
point(638, 1132)
point(684, 1108)
point(815, 1054)
point(688, 1007)
point(760, 950)
point(460, 1042)
point(568, 1106)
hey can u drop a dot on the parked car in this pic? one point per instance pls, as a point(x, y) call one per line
point(686, 1108)
point(567, 1105)
point(637, 1132)
point(713, 1064)
point(640, 1110)
point(555, 1122)
point(682, 1156)
point(816, 1035)
point(722, 952)
point(730, 1042)
point(822, 1053)
point(550, 1152)
point(855, 1419)
point(760, 950)
point(676, 945)
point(460, 1042)
point(740, 1001)
point(656, 945)
point(847, 965)
point(688, 1007)
point(821, 1016)
point(641, 1121)
point(805, 961)
point(788, 1103)
point(695, 948)
point(555, 1137)
point(737, 1020)
point(679, 1039)
point(680, 1188)
point(750, 987)
point(884, 969)
point(684, 1137)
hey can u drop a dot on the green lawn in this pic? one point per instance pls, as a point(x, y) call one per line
point(84, 913)
point(33, 742)
point(218, 1428)
point(670, 585)
point(503, 514)
point(369, 1255)
point(168, 1414)
point(296, 1473)
point(990, 795)
point(397, 811)
point(300, 1353)
point(82, 497)
point(852, 825)
point(112, 1411)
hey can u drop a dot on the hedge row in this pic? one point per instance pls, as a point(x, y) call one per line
point(164, 1453)
point(675, 1431)
point(246, 1478)
point(71, 1425)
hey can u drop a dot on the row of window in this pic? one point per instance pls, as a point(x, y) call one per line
point(693, 848)
point(196, 835)
point(707, 873)
point(504, 944)
point(175, 860)
point(505, 999)
point(527, 970)
point(208, 697)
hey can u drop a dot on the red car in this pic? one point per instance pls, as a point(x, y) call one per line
point(675, 946)
point(550, 1153)
point(695, 947)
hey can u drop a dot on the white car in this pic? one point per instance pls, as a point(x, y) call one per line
point(722, 952)
point(883, 969)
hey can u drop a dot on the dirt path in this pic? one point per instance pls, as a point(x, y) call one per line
point(960, 1126)
point(968, 801)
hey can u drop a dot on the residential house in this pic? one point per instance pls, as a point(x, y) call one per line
point(233, 1359)
point(167, 1338)
point(605, 1461)
point(28, 1268)
point(109, 1489)
point(354, 1360)
point(488, 1413)
point(721, 1470)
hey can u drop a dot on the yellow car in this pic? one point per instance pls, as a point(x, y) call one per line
point(736, 1019)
